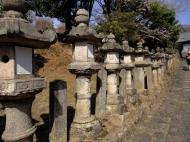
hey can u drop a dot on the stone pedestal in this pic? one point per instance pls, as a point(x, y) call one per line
point(19, 126)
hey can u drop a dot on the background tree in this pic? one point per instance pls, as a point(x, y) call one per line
point(121, 24)
point(64, 10)
point(156, 23)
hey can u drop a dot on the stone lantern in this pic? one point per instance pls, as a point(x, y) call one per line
point(130, 95)
point(139, 72)
point(83, 66)
point(18, 84)
point(115, 102)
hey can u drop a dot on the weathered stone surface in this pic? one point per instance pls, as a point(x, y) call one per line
point(101, 93)
point(84, 67)
point(112, 58)
point(19, 87)
point(139, 80)
point(86, 130)
point(110, 44)
point(127, 59)
point(84, 123)
point(115, 102)
point(122, 86)
point(19, 126)
point(22, 32)
point(82, 32)
point(153, 126)
point(83, 106)
point(127, 49)
point(113, 67)
point(155, 78)
point(58, 111)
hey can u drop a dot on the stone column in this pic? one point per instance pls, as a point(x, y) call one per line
point(58, 111)
point(23, 129)
point(84, 123)
point(83, 103)
point(101, 93)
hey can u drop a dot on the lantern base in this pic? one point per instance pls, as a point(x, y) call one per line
point(86, 130)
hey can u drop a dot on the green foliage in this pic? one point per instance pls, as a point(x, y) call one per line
point(53, 8)
point(121, 24)
point(165, 18)
point(154, 22)
point(64, 10)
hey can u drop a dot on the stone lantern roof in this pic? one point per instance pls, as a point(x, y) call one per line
point(153, 54)
point(169, 51)
point(127, 52)
point(15, 29)
point(139, 50)
point(158, 54)
point(82, 32)
point(110, 44)
point(148, 52)
point(127, 49)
